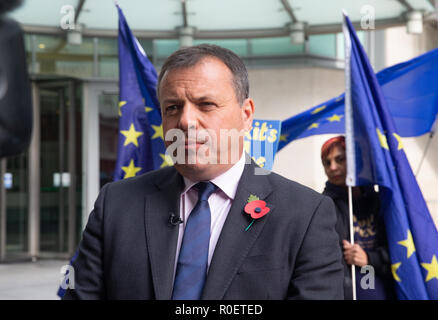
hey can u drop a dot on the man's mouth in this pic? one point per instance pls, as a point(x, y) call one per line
point(191, 144)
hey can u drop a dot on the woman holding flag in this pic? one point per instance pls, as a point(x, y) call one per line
point(370, 245)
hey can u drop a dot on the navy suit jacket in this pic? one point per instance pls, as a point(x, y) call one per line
point(128, 247)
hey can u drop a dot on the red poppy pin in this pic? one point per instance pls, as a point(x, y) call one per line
point(256, 208)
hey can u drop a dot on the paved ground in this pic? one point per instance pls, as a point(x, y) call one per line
point(30, 280)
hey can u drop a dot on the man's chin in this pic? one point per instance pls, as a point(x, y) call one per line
point(201, 172)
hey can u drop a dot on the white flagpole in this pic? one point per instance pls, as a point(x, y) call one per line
point(349, 141)
point(353, 267)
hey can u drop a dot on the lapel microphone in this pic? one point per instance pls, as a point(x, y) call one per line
point(174, 220)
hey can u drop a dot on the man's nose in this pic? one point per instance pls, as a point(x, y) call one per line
point(188, 117)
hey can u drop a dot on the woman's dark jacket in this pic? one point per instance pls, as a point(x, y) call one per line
point(365, 207)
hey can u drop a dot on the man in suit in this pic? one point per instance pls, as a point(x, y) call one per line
point(182, 233)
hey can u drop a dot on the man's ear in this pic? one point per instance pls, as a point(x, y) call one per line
point(247, 113)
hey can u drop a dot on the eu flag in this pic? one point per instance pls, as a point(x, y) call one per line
point(141, 144)
point(409, 88)
point(327, 117)
point(375, 155)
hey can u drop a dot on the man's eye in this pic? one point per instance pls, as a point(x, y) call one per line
point(207, 104)
point(171, 109)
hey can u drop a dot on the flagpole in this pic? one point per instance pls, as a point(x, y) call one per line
point(349, 141)
point(350, 211)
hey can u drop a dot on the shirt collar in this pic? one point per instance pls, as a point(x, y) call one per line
point(227, 181)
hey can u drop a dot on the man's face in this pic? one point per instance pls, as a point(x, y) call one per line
point(335, 166)
point(202, 97)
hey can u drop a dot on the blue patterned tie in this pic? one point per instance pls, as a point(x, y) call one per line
point(191, 270)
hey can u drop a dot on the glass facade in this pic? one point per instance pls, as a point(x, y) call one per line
point(97, 57)
point(57, 190)
point(323, 45)
point(50, 55)
point(239, 46)
point(107, 56)
point(17, 186)
point(275, 46)
point(60, 160)
point(54, 175)
point(108, 135)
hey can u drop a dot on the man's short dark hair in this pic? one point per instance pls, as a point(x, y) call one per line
point(188, 57)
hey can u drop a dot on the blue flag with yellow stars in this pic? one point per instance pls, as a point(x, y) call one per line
point(328, 117)
point(141, 144)
point(375, 155)
point(407, 87)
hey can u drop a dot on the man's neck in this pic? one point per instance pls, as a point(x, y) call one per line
point(196, 178)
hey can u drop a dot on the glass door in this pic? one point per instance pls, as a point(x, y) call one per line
point(15, 193)
point(60, 156)
point(41, 189)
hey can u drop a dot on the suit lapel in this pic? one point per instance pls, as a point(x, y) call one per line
point(161, 236)
point(234, 242)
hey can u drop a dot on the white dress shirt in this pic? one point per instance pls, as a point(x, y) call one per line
point(220, 203)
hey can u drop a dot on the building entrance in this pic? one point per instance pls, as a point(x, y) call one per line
point(47, 193)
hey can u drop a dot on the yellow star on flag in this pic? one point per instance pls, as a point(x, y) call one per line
point(313, 125)
point(131, 170)
point(394, 268)
point(318, 109)
point(382, 139)
point(335, 117)
point(409, 244)
point(167, 160)
point(400, 144)
point(121, 104)
point(283, 137)
point(432, 269)
point(131, 135)
point(148, 109)
point(158, 132)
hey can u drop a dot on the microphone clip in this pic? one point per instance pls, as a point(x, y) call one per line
point(175, 220)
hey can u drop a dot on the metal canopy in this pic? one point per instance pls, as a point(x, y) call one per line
point(213, 19)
